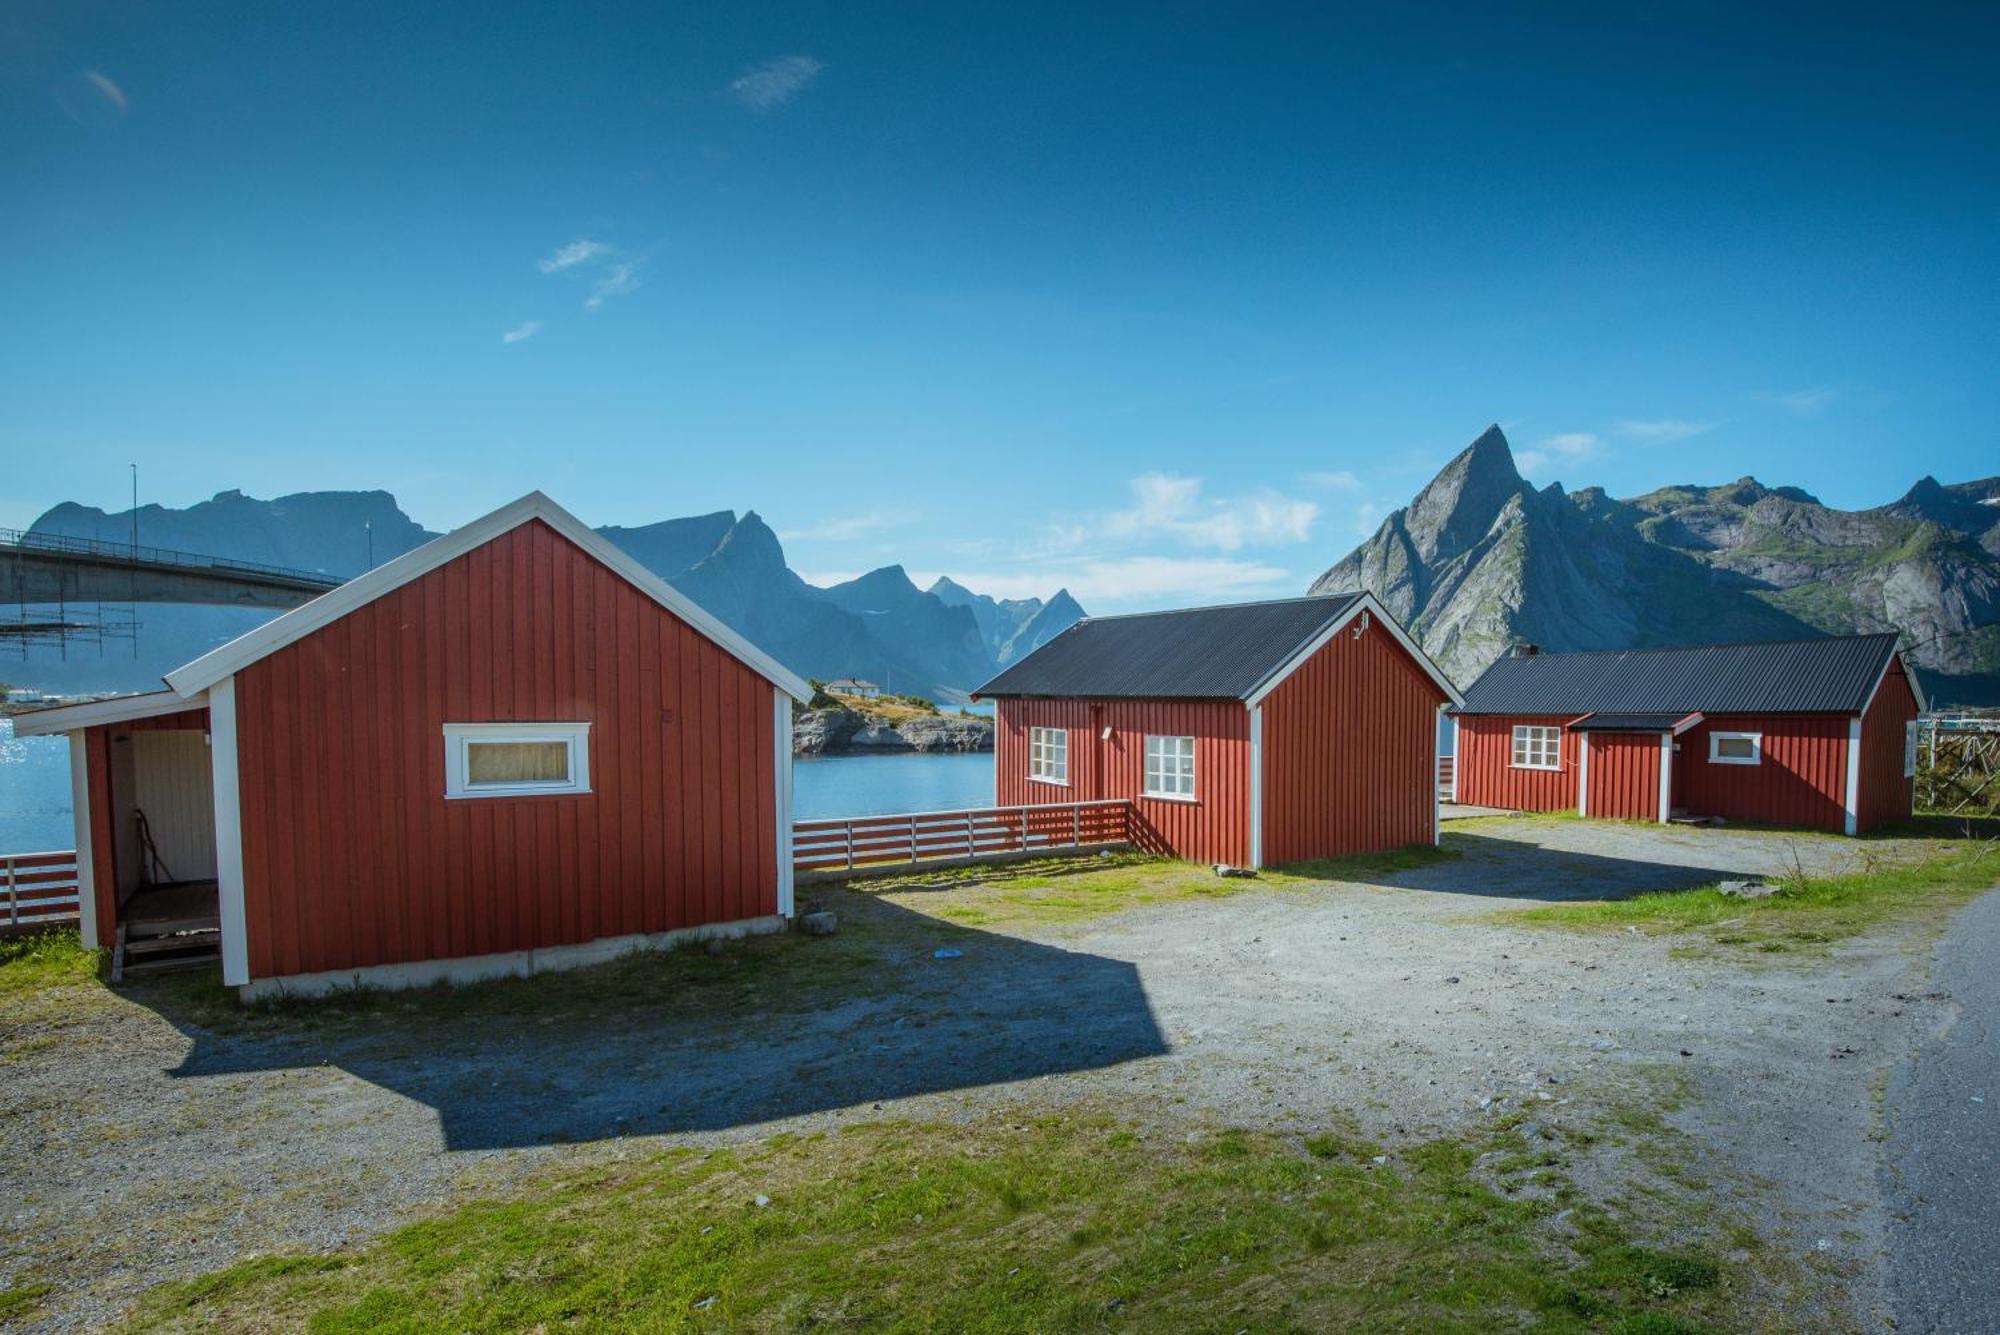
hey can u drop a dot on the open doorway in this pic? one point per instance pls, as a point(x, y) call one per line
point(163, 833)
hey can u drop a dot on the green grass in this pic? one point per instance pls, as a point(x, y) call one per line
point(1065, 890)
point(1015, 1223)
point(1808, 912)
point(21, 1301)
point(45, 960)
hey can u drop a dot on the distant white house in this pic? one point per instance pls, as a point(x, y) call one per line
point(855, 687)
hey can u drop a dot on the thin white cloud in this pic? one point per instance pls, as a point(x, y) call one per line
point(1804, 402)
point(1138, 579)
point(843, 528)
point(580, 251)
point(615, 280)
point(522, 332)
point(1169, 506)
point(1338, 480)
point(1367, 518)
point(1565, 447)
point(1660, 431)
point(768, 86)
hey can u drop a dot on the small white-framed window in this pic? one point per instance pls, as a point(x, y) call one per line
point(1048, 755)
point(1736, 748)
point(1910, 750)
point(1537, 747)
point(516, 759)
point(1170, 768)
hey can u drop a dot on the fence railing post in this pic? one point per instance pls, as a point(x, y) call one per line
point(849, 827)
point(14, 897)
point(913, 838)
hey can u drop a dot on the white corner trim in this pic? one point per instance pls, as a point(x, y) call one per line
point(301, 621)
point(1379, 615)
point(513, 964)
point(1257, 786)
point(79, 802)
point(1457, 753)
point(781, 773)
point(1666, 778)
point(228, 795)
point(91, 713)
point(1437, 823)
point(1583, 774)
point(1853, 822)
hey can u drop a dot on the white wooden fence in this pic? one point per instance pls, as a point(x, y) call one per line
point(37, 890)
point(844, 845)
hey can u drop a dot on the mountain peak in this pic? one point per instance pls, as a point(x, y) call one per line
point(1462, 501)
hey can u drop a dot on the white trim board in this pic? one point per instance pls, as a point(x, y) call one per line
point(1380, 616)
point(1666, 778)
point(1852, 824)
point(228, 796)
point(92, 713)
point(781, 759)
point(86, 872)
point(1257, 787)
point(300, 622)
point(1583, 774)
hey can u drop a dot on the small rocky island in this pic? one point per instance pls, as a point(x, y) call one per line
point(840, 725)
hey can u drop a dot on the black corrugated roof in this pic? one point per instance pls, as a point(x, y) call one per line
point(1627, 722)
point(1830, 675)
point(1192, 654)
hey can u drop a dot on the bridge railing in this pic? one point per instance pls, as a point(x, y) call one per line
point(823, 849)
point(37, 890)
point(126, 552)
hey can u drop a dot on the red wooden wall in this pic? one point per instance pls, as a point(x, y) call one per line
point(1886, 796)
point(1215, 827)
point(1350, 744)
point(97, 745)
point(1486, 773)
point(1624, 775)
point(1802, 780)
point(353, 857)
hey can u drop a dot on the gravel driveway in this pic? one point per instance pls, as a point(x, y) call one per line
point(139, 1148)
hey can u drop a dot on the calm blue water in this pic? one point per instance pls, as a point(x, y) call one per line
point(35, 814)
point(34, 793)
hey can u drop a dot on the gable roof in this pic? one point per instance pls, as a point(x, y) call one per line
point(300, 622)
point(1834, 674)
point(1238, 651)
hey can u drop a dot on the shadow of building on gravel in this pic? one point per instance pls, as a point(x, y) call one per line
point(772, 1028)
point(1491, 867)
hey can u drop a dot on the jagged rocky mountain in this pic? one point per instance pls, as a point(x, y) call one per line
point(1482, 559)
point(880, 626)
point(1011, 627)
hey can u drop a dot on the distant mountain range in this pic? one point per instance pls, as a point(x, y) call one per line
point(1481, 560)
point(939, 642)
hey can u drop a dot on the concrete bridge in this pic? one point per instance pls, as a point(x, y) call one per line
point(48, 568)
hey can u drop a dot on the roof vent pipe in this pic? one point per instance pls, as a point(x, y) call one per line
point(1526, 650)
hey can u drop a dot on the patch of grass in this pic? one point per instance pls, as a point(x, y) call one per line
point(1808, 912)
point(1015, 1223)
point(21, 1301)
point(45, 960)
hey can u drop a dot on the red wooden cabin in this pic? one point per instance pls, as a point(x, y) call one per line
point(1252, 734)
point(1818, 733)
point(511, 749)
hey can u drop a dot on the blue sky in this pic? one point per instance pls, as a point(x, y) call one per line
point(1167, 303)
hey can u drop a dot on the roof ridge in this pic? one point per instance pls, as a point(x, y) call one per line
point(1223, 607)
point(1713, 644)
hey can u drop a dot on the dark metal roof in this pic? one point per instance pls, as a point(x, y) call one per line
point(1627, 723)
point(1831, 675)
point(1195, 653)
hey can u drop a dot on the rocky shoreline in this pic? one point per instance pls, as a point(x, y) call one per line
point(834, 732)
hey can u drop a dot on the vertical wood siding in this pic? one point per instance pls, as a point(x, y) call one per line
point(352, 855)
point(1802, 780)
point(1886, 796)
point(172, 782)
point(1625, 775)
point(1349, 741)
point(109, 807)
point(1486, 773)
point(1215, 827)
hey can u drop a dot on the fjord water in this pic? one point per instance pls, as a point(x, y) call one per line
point(35, 802)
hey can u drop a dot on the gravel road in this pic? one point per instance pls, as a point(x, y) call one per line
point(141, 1149)
point(1943, 1172)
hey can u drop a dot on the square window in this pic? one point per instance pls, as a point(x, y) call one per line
point(1537, 747)
point(1169, 767)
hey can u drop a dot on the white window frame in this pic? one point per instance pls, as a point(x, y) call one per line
point(458, 737)
point(1756, 756)
point(1048, 756)
point(1910, 733)
point(1524, 741)
point(1155, 773)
